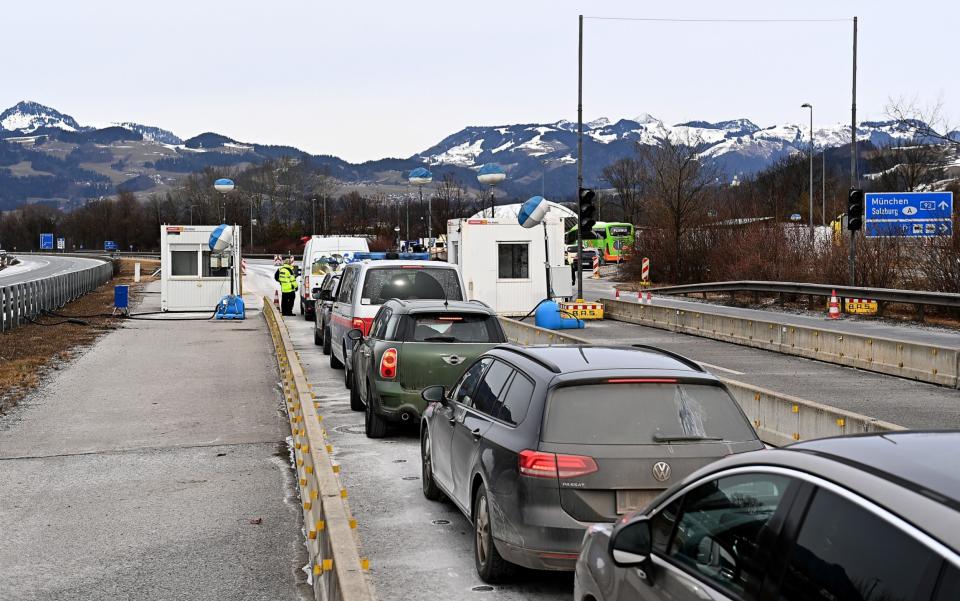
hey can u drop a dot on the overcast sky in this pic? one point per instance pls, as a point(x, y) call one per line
point(366, 79)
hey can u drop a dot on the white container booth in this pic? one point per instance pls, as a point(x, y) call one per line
point(504, 264)
point(192, 278)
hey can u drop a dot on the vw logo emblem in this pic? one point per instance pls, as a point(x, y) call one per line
point(454, 359)
point(661, 471)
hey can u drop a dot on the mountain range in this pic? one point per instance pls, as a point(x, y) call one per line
point(47, 156)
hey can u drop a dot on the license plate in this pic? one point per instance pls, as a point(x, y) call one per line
point(632, 500)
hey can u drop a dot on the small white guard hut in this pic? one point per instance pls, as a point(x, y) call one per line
point(192, 277)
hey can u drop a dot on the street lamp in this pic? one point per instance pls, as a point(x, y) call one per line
point(397, 230)
point(420, 177)
point(224, 186)
point(807, 105)
point(191, 214)
point(491, 174)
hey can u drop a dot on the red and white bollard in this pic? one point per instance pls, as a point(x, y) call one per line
point(649, 299)
point(645, 270)
point(276, 299)
point(596, 267)
point(616, 293)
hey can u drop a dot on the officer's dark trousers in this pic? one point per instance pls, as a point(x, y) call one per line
point(286, 302)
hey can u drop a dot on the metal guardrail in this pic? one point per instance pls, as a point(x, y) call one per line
point(336, 568)
point(892, 295)
point(21, 302)
point(779, 419)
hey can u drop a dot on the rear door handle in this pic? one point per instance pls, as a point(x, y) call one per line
point(476, 433)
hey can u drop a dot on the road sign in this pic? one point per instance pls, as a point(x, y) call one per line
point(109, 245)
point(46, 241)
point(61, 243)
point(908, 214)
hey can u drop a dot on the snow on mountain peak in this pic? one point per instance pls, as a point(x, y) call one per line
point(27, 116)
point(646, 118)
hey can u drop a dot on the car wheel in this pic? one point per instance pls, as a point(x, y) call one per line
point(302, 311)
point(374, 425)
point(317, 338)
point(347, 380)
point(491, 567)
point(326, 341)
point(307, 315)
point(356, 403)
point(430, 488)
point(334, 362)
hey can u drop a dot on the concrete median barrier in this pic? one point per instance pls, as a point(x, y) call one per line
point(916, 361)
point(337, 567)
point(779, 419)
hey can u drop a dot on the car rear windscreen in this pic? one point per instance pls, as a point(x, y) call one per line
point(383, 283)
point(644, 413)
point(452, 327)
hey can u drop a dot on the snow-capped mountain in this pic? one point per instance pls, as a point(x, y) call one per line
point(27, 117)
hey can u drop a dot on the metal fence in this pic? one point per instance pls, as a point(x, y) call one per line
point(19, 303)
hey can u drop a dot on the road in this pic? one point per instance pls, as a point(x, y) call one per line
point(601, 289)
point(154, 466)
point(36, 267)
point(419, 550)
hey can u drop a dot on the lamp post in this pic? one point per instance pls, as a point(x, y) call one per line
point(807, 105)
point(491, 174)
point(191, 214)
point(420, 177)
point(397, 230)
point(313, 212)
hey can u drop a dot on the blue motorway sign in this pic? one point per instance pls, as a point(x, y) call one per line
point(46, 241)
point(908, 214)
point(109, 245)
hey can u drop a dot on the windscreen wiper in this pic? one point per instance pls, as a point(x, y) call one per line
point(440, 339)
point(684, 438)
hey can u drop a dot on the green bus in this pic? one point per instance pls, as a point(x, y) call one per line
point(609, 237)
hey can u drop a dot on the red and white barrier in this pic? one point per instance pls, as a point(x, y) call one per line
point(645, 270)
point(596, 267)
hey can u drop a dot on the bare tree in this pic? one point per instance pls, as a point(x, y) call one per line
point(679, 183)
point(628, 178)
point(929, 124)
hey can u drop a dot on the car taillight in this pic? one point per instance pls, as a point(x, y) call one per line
point(537, 464)
point(306, 282)
point(362, 324)
point(388, 364)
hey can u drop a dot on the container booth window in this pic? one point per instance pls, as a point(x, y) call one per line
point(513, 260)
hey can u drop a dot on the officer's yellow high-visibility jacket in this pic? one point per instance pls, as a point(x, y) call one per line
point(288, 282)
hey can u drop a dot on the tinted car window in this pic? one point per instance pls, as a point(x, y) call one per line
point(515, 400)
point(463, 392)
point(643, 414)
point(661, 525)
point(379, 327)
point(345, 292)
point(949, 587)
point(485, 399)
point(845, 552)
point(453, 327)
point(722, 525)
point(383, 283)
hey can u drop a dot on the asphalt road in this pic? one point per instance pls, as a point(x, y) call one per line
point(36, 267)
point(601, 289)
point(134, 472)
point(419, 550)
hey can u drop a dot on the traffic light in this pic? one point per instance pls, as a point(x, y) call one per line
point(855, 209)
point(587, 212)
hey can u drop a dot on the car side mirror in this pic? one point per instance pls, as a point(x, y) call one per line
point(326, 295)
point(316, 294)
point(631, 544)
point(434, 394)
point(356, 335)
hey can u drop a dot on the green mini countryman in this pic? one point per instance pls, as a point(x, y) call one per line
point(413, 345)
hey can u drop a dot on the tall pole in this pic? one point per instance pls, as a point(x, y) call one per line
point(313, 212)
point(407, 233)
point(823, 184)
point(429, 214)
point(579, 156)
point(324, 214)
point(853, 156)
point(251, 224)
point(420, 188)
point(811, 170)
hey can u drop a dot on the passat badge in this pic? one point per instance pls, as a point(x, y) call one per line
point(453, 359)
point(661, 471)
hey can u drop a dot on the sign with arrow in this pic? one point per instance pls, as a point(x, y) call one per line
point(908, 214)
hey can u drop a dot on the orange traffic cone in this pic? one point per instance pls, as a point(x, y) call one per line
point(276, 298)
point(649, 299)
point(834, 306)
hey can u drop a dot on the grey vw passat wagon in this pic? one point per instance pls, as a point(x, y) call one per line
point(534, 444)
point(861, 518)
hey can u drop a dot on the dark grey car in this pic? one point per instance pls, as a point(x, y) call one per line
point(534, 444)
point(859, 518)
point(323, 297)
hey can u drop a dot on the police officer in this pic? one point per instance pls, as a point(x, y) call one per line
point(288, 287)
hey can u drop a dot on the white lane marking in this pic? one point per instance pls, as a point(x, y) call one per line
point(730, 371)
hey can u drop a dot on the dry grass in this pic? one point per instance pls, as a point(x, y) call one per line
point(31, 351)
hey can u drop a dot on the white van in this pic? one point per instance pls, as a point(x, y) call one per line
point(366, 285)
point(321, 255)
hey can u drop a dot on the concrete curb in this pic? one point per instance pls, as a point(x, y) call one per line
point(338, 570)
point(779, 419)
point(911, 360)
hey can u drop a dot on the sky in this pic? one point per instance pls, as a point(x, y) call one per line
point(368, 79)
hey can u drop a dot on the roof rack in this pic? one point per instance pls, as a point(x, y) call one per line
point(685, 360)
point(523, 352)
